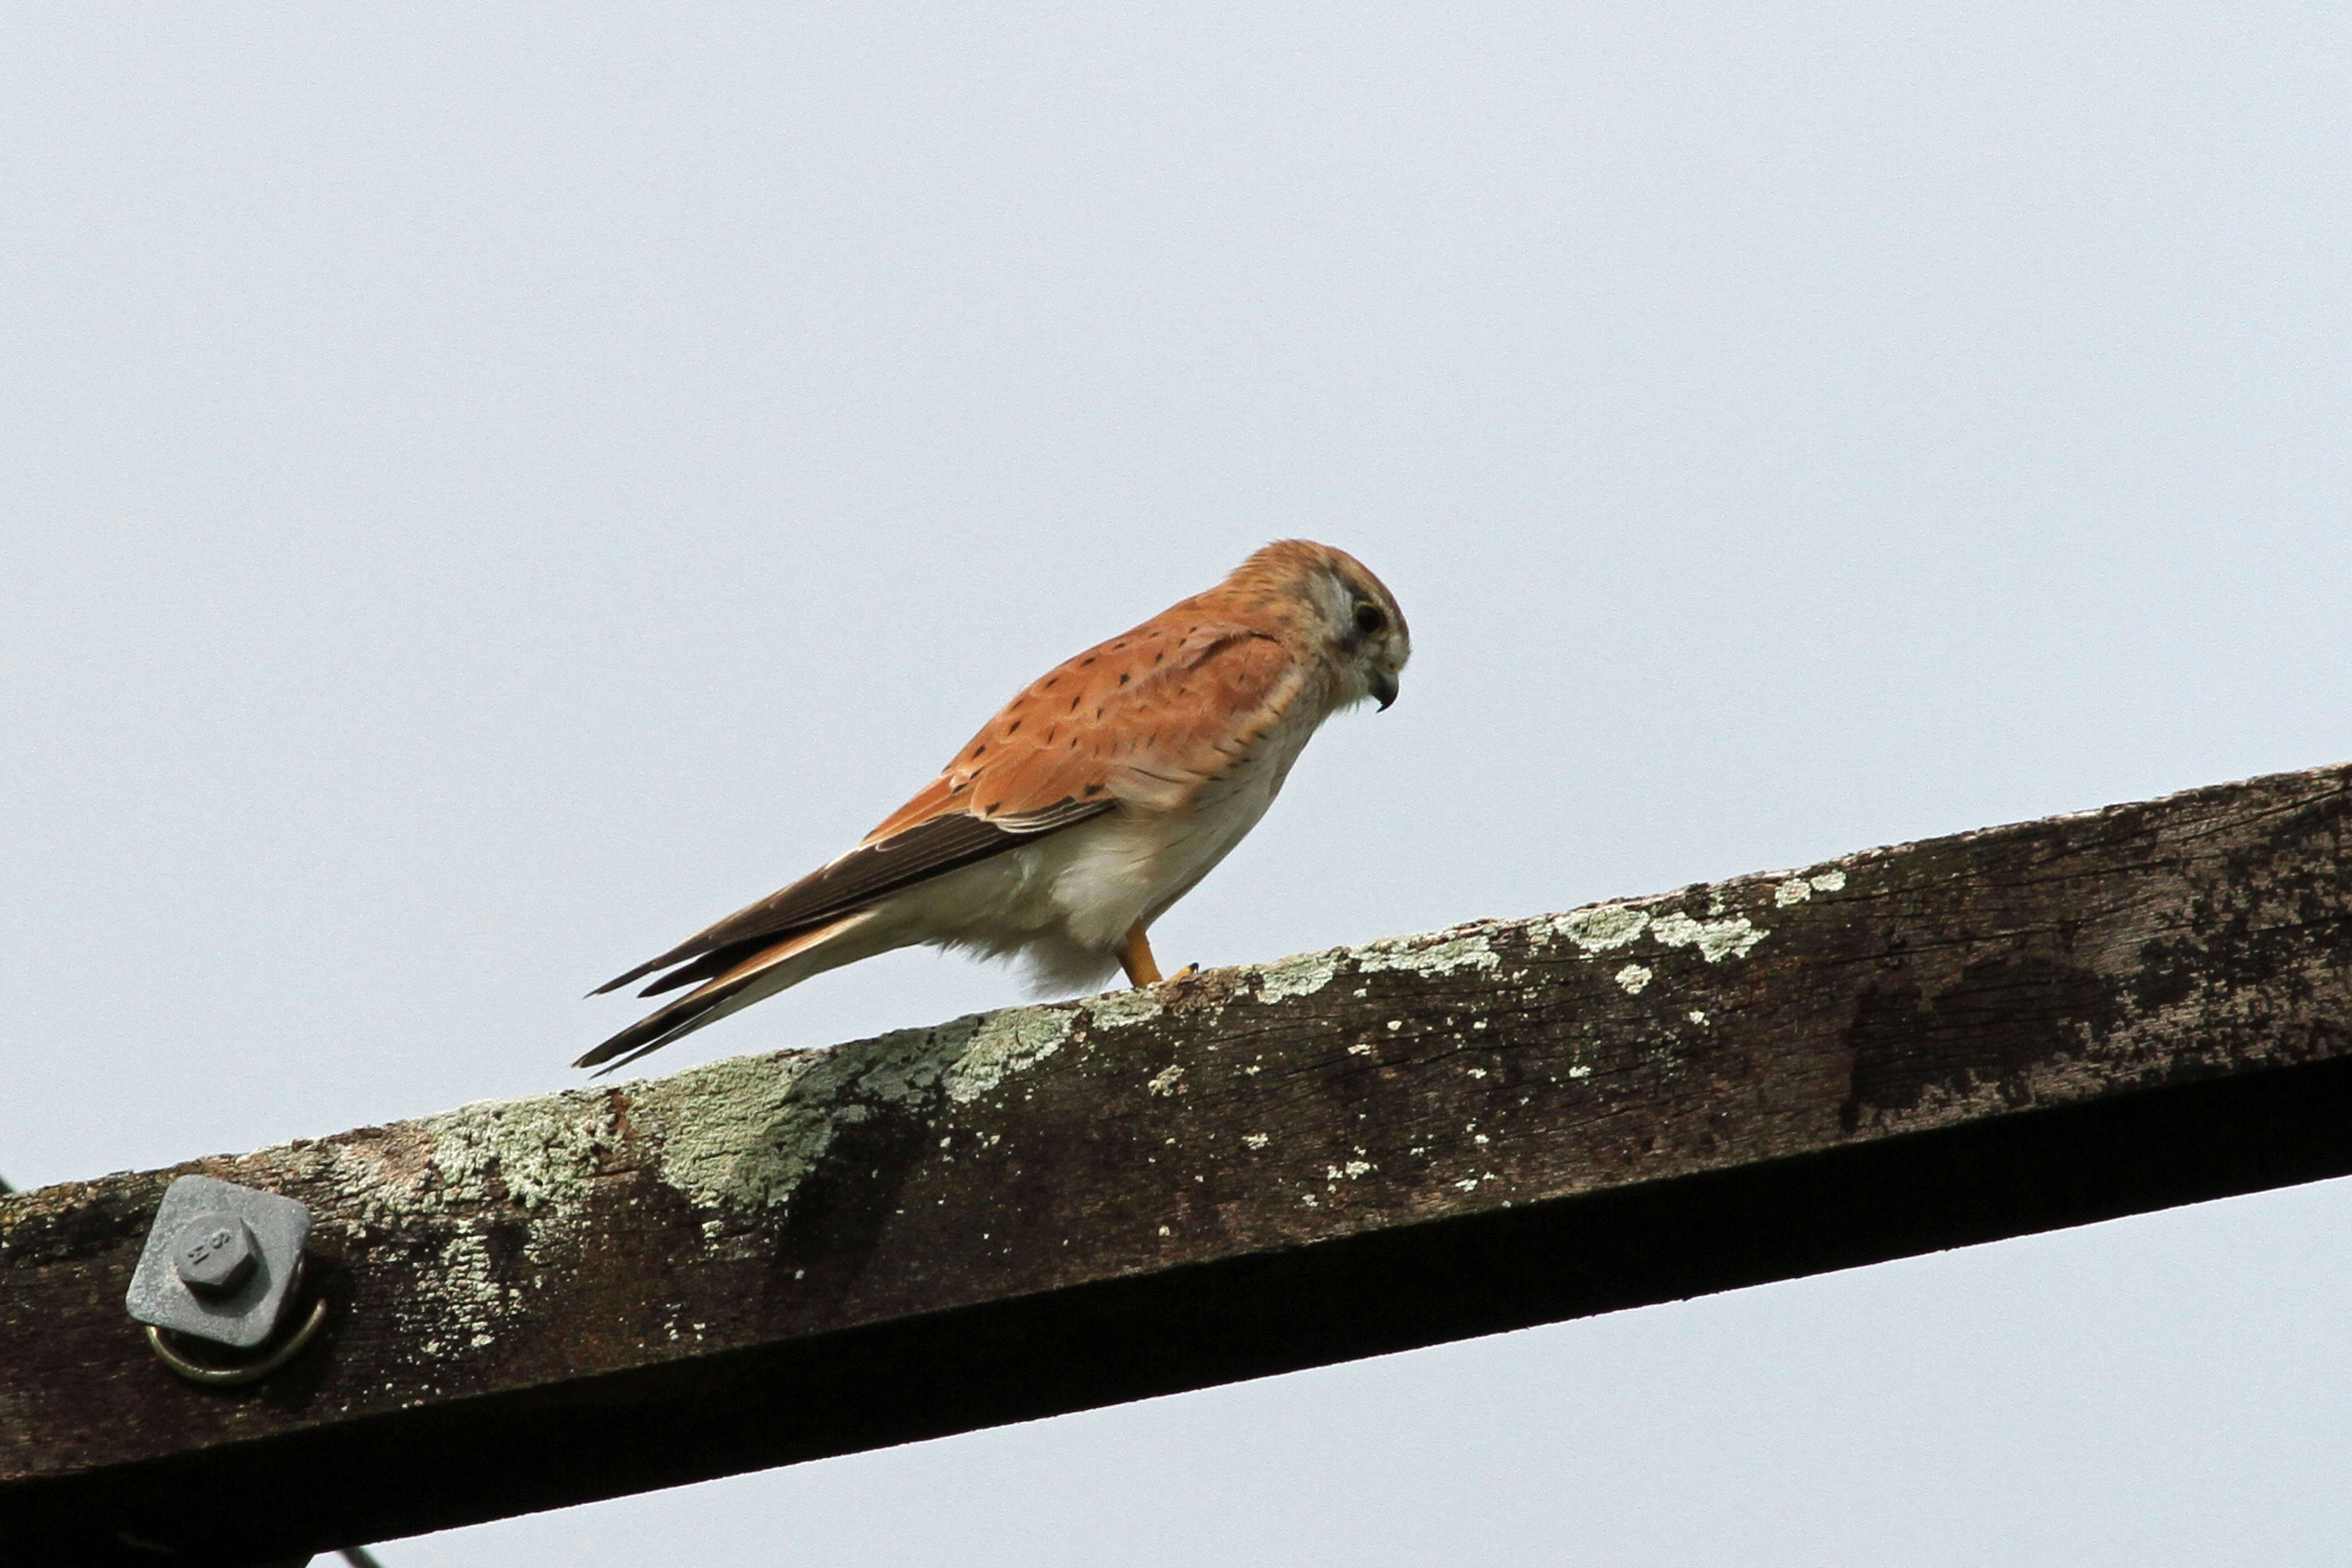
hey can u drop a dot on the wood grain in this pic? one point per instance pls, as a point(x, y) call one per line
point(541, 1302)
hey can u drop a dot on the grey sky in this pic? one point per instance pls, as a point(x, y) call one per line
point(489, 491)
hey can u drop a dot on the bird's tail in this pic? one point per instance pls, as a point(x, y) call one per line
point(787, 961)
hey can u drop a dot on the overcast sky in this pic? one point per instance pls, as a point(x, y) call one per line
point(489, 490)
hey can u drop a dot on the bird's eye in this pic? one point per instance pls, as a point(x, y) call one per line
point(1368, 619)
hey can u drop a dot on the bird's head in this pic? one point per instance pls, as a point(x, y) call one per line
point(1348, 613)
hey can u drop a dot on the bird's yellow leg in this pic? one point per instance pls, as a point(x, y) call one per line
point(1135, 957)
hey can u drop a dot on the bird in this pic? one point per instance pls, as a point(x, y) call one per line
point(1098, 796)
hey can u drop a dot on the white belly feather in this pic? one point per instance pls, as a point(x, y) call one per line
point(1063, 904)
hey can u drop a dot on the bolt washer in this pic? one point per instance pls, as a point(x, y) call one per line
point(246, 1315)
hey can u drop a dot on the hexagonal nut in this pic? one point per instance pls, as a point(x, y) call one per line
point(215, 1254)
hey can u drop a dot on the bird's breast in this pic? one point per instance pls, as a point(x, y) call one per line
point(1129, 865)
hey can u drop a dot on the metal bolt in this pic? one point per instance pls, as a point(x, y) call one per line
point(215, 1254)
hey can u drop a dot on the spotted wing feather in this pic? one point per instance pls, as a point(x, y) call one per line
point(1139, 718)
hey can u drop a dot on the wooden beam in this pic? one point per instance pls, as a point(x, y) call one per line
point(541, 1303)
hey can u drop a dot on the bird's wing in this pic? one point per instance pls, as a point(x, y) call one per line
point(1141, 719)
point(924, 849)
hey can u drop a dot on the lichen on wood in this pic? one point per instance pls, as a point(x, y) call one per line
point(1234, 1172)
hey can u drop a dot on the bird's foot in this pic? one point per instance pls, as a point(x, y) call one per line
point(1135, 957)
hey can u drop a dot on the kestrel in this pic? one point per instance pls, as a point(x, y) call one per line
point(1098, 799)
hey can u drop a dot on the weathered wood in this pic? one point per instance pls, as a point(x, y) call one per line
point(541, 1303)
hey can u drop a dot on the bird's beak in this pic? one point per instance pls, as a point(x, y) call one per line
point(1384, 687)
